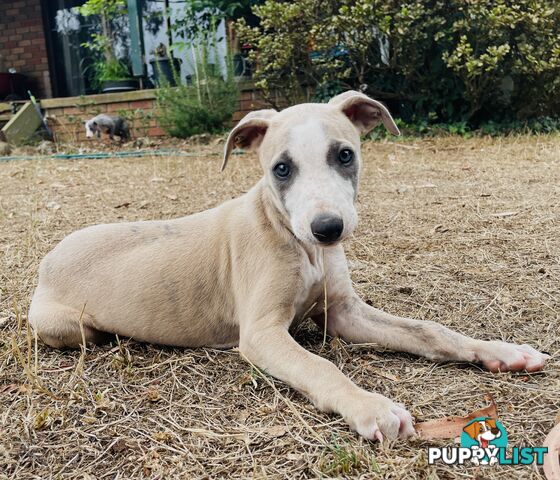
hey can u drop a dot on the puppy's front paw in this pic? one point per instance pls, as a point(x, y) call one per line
point(375, 417)
point(499, 356)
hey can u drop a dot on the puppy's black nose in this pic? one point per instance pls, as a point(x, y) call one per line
point(327, 228)
point(495, 431)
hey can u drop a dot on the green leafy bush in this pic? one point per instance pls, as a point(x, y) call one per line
point(437, 61)
point(205, 106)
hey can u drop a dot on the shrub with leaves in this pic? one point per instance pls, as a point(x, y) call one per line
point(205, 106)
point(440, 61)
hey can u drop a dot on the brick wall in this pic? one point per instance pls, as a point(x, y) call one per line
point(66, 116)
point(23, 45)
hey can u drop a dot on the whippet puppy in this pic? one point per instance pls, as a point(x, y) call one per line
point(242, 273)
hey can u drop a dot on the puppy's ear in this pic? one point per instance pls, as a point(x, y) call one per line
point(364, 112)
point(249, 132)
point(472, 430)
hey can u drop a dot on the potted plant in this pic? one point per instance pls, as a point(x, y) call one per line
point(165, 66)
point(114, 76)
point(111, 74)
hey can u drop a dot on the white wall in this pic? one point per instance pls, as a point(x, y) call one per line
point(151, 41)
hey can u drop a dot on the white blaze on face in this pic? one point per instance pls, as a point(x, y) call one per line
point(317, 187)
point(89, 132)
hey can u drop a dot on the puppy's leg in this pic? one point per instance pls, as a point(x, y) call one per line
point(267, 343)
point(59, 326)
point(354, 320)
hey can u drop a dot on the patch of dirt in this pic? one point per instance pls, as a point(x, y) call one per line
point(463, 232)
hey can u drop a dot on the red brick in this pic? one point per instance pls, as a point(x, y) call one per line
point(156, 132)
point(142, 104)
point(115, 107)
point(72, 111)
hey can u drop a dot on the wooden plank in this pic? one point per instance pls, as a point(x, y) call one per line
point(22, 125)
point(5, 107)
point(102, 98)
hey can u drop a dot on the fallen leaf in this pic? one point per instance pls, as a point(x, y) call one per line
point(504, 214)
point(162, 436)
point(451, 427)
point(153, 395)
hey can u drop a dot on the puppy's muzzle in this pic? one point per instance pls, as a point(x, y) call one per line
point(327, 228)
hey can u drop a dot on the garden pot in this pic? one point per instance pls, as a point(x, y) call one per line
point(113, 86)
point(163, 70)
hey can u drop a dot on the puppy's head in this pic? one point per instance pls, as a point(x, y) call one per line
point(310, 154)
point(91, 128)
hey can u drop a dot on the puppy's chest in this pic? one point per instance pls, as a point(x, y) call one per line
point(310, 295)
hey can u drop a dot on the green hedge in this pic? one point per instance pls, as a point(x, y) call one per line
point(430, 61)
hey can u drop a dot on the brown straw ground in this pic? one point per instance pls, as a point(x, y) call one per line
point(463, 232)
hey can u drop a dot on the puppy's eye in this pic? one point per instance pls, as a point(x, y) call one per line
point(345, 156)
point(282, 170)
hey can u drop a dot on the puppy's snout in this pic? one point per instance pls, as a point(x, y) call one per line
point(495, 430)
point(327, 228)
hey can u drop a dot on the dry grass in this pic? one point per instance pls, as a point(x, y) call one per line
point(434, 243)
